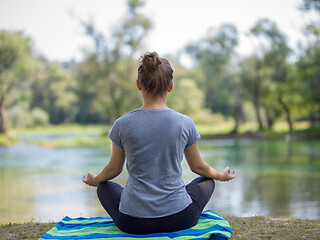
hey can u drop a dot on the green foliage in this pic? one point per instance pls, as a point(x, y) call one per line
point(213, 56)
point(87, 78)
point(14, 47)
point(308, 72)
point(191, 104)
point(106, 78)
point(53, 89)
point(223, 91)
point(308, 65)
point(134, 28)
point(39, 117)
point(16, 66)
point(269, 74)
point(262, 87)
point(21, 116)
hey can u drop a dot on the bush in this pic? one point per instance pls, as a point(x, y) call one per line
point(190, 100)
point(39, 117)
point(20, 116)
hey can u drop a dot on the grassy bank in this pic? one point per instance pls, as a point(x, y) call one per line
point(8, 139)
point(243, 228)
point(80, 133)
point(65, 129)
point(215, 128)
point(274, 228)
point(280, 130)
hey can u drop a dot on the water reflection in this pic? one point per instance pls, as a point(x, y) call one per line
point(275, 178)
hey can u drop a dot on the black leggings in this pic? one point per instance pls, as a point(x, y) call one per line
point(200, 191)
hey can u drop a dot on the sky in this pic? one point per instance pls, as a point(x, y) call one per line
point(54, 26)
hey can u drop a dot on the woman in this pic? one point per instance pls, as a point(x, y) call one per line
point(153, 140)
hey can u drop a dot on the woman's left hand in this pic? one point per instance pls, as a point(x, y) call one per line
point(90, 179)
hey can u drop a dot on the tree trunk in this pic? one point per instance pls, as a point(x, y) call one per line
point(312, 116)
point(270, 119)
point(287, 112)
point(256, 94)
point(235, 130)
point(3, 116)
point(256, 108)
point(237, 113)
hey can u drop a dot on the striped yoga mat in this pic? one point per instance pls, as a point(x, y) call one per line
point(209, 226)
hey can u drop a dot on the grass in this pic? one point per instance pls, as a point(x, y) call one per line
point(65, 129)
point(30, 230)
point(243, 228)
point(8, 140)
point(74, 142)
point(302, 130)
point(273, 228)
point(278, 128)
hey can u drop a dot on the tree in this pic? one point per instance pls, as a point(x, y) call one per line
point(213, 55)
point(271, 67)
point(129, 35)
point(308, 5)
point(308, 64)
point(16, 66)
point(87, 76)
point(115, 65)
point(309, 75)
point(251, 79)
point(53, 89)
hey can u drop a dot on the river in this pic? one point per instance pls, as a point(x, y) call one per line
point(274, 178)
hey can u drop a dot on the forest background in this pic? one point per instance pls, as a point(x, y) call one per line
point(259, 89)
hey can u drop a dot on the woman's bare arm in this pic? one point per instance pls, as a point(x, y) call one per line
point(198, 166)
point(110, 171)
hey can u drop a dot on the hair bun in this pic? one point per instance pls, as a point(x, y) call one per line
point(150, 61)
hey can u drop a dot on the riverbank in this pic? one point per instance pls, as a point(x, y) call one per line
point(8, 139)
point(305, 134)
point(243, 228)
point(280, 131)
point(75, 135)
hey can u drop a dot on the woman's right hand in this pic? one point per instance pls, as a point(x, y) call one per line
point(226, 175)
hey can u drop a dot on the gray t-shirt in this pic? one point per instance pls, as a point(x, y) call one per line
point(154, 141)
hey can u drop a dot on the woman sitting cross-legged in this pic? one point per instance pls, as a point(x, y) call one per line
point(153, 140)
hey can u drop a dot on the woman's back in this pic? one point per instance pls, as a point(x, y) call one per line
point(154, 141)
